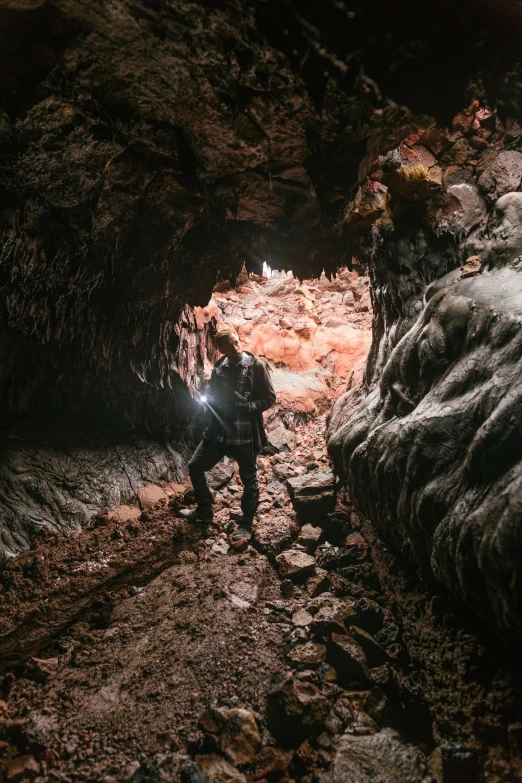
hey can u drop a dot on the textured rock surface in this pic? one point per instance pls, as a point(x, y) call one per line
point(433, 452)
point(380, 758)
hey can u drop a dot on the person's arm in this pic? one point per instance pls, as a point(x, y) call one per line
point(263, 394)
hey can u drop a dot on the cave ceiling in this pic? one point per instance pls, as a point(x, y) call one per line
point(148, 149)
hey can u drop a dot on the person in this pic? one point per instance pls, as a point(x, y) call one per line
point(240, 390)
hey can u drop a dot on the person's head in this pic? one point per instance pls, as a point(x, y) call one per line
point(228, 343)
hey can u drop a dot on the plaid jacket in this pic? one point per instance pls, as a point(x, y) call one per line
point(251, 379)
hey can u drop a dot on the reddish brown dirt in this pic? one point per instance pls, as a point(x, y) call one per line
point(151, 624)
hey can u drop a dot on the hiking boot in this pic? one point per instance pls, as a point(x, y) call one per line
point(196, 515)
point(244, 529)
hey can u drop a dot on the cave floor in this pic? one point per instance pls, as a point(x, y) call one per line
point(150, 636)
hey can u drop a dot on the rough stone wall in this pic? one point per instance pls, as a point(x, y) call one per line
point(431, 445)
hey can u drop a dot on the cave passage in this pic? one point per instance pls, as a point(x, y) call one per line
point(342, 186)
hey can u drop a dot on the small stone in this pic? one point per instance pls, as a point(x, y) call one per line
point(330, 614)
point(387, 636)
point(362, 725)
point(40, 669)
point(333, 725)
point(3, 707)
point(295, 564)
point(295, 710)
point(308, 654)
point(379, 708)
point(379, 758)
point(220, 547)
point(240, 740)
point(287, 588)
point(220, 475)
point(355, 550)
point(219, 769)
point(375, 654)
point(192, 773)
point(327, 673)
point(281, 439)
point(248, 591)
point(187, 558)
point(22, 768)
point(301, 618)
point(312, 495)
point(348, 658)
point(240, 545)
point(270, 764)
point(318, 583)
point(309, 537)
point(344, 710)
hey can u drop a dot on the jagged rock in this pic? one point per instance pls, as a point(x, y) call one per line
point(326, 673)
point(362, 725)
point(220, 475)
point(220, 547)
point(272, 533)
point(301, 618)
point(379, 708)
point(295, 565)
point(219, 769)
point(379, 758)
point(387, 636)
point(309, 537)
point(355, 550)
point(348, 658)
point(308, 654)
point(312, 495)
point(318, 583)
point(295, 710)
point(503, 175)
point(281, 439)
point(239, 740)
point(330, 614)
point(375, 654)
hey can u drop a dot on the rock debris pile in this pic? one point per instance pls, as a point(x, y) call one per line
point(314, 335)
point(306, 656)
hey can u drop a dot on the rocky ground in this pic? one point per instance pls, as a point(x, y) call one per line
point(146, 650)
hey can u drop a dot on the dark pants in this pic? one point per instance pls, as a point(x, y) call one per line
point(208, 455)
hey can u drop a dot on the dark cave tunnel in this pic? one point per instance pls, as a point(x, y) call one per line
point(152, 151)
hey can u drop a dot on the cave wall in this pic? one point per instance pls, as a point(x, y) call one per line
point(430, 446)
